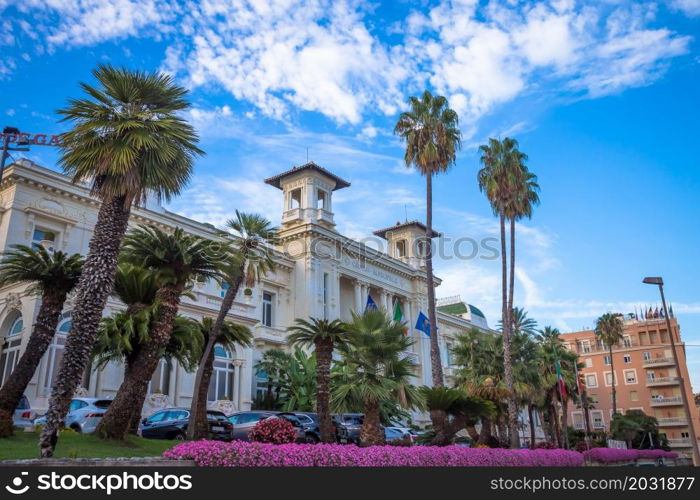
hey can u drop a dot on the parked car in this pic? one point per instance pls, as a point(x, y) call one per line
point(23, 415)
point(405, 432)
point(312, 431)
point(83, 414)
point(349, 426)
point(171, 423)
point(244, 421)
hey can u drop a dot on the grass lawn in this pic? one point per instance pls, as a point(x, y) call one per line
point(75, 445)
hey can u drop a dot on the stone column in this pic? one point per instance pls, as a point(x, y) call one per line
point(358, 296)
point(408, 313)
point(237, 382)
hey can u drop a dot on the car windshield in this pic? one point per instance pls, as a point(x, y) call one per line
point(215, 416)
point(352, 419)
point(102, 403)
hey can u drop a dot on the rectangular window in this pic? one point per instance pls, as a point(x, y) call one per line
point(651, 376)
point(606, 360)
point(630, 377)
point(627, 341)
point(321, 199)
point(267, 309)
point(295, 198)
point(609, 378)
point(591, 380)
point(647, 355)
point(577, 418)
point(44, 238)
point(589, 363)
point(597, 418)
point(634, 396)
point(325, 295)
point(627, 358)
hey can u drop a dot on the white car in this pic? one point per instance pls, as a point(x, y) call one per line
point(404, 432)
point(83, 414)
point(23, 415)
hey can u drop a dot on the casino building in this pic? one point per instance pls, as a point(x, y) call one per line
point(319, 272)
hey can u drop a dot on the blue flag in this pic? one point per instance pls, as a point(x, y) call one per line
point(423, 323)
point(371, 305)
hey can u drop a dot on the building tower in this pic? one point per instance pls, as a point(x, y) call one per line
point(406, 242)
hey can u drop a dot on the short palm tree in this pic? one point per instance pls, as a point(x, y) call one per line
point(272, 365)
point(499, 179)
point(249, 259)
point(431, 132)
point(609, 328)
point(129, 140)
point(177, 259)
point(53, 275)
point(230, 336)
point(324, 335)
point(375, 371)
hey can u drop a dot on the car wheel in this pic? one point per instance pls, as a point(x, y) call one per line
point(310, 439)
point(180, 436)
point(76, 428)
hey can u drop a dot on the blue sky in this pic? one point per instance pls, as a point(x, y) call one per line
point(601, 95)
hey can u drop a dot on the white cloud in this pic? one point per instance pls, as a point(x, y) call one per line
point(690, 8)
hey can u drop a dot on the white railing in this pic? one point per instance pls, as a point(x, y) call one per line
point(675, 400)
point(673, 421)
point(662, 381)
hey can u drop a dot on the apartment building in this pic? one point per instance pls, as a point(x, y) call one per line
point(645, 375)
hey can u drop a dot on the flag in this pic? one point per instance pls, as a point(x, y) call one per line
point(650, 313)
point(579, 389)
point(662, 314)
point(398, 316)
point(371, 305)
point(656, 313)
point(670, 311)
point(560, 379)
point(423, 324)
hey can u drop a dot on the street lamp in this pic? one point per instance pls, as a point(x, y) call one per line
point(660, 283)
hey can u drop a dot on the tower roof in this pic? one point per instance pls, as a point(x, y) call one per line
point(275, 179)
point(414, 223)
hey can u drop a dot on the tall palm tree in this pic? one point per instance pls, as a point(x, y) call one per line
point(375, 372)
point(432, 135)
point(520, 322)
point(129, 140)
point(177, 258)
point(498, 179)
point(609, 328)
point(249, 260)
point(53, 275)
point(230, 335)
point(324, 335)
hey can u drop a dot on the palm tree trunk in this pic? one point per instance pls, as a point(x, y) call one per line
point(565, 422)
point(94, 287)
point(116, 420)
point(614, 392)
point(485, 434)
point(512, 270)
point(199, 426)
point(324, 356)
point(39, 340)
point(436, 363)
point(555, 424)
point(507, 360)
point(531, 418)
point(371, 433)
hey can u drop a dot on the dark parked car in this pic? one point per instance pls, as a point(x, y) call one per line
point(172, 424)
point(349, 426)
point(244, 421)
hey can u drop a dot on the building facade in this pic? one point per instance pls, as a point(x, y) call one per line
point(646, 378)
point(318, 272)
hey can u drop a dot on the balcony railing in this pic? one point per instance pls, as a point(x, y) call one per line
point(658, 381)
point(672, 401)
point(658, 362)
point(679, 443)
point(669, 421)
point(594, 348)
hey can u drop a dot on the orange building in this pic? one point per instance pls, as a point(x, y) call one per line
point(646, 378)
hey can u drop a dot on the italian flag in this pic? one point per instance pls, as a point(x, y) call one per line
point(398, 316)
point(560, 379)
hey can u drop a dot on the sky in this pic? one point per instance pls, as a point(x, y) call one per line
point(602, 96)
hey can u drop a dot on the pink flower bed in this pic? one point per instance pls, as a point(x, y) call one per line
point(242, 454)
point(613, 455)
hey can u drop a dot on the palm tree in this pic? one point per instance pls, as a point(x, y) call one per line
point(609, 328)
point(230, 336)
point(324, 335)
point(249, 260)
point(273, 364)
point(520, 323)
point(498, 179)
point(53, 275)
point(431, 132)
point(177, 258)
point(299, 384)
point(129, 140)
point(375, 371)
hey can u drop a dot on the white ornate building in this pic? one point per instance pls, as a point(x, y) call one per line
point(319, 272)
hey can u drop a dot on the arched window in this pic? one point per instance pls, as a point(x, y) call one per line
point(401, 248)
point(10, 348)
point(54, 356)
point(221, 384)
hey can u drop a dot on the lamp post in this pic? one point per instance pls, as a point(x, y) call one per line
point(660, 282)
